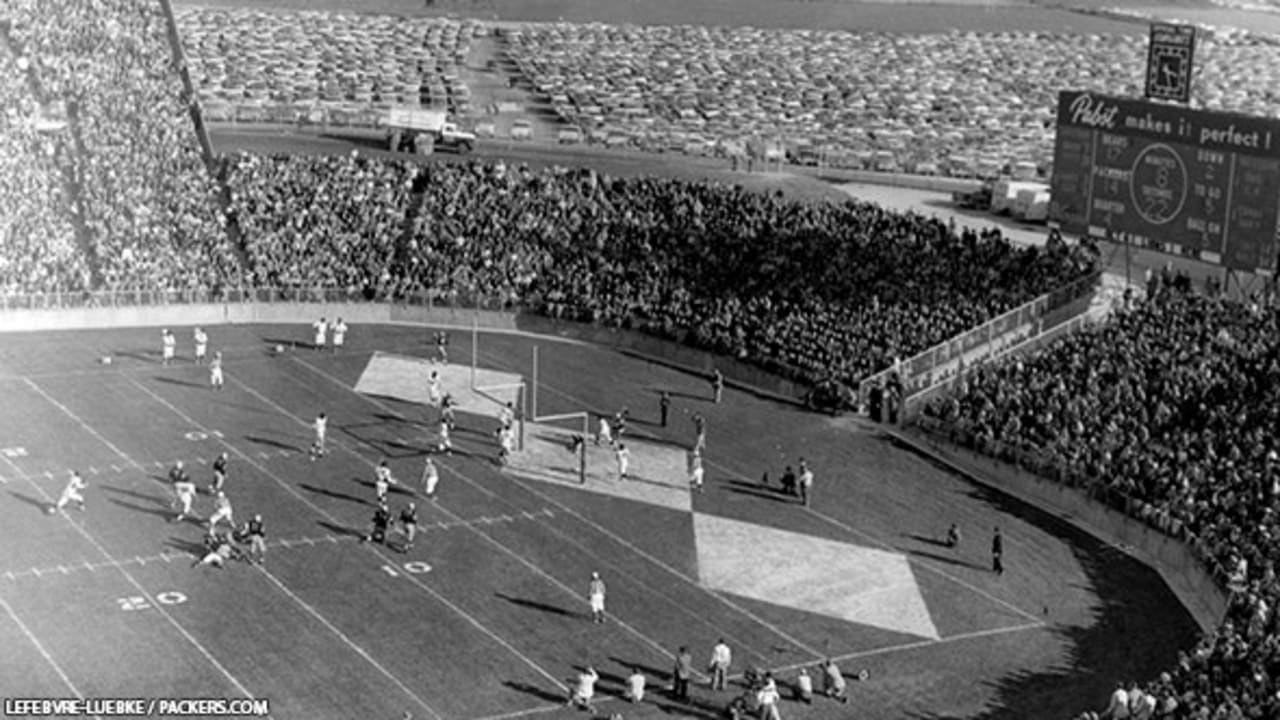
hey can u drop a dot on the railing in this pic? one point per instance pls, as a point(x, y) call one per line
point(940, 364)
point(1037, 463)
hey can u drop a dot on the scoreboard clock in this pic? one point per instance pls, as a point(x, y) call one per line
point(1170, 55)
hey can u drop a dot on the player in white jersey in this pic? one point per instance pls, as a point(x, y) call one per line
point(320, 327)
point(320, 425)
point(184, 490)
point(339, 334)
point(696, 472)
point(624, 458)
point(215, 371)
point(71, 493)
point(221, 511)
point(202, 344)
point(381, 479)
point(506, 416)
point(430, 478)
point(434, 393)
point(595, 596)
point(506, 444)
point(168, 344)
point(603, 432)
point(446, 445)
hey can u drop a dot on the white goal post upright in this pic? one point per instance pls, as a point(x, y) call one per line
point(579, 415)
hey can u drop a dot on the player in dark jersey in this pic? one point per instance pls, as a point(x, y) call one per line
point(219, 474)
point(257, 536)
point(381, 521)
point(446, 411)
point(442, 347)
point(408, 526)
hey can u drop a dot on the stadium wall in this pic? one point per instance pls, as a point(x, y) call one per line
point(1176, 562)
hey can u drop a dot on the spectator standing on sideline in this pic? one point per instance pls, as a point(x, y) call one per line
point(321, 327)
point(721, 658)
point(635, 686)
point(664, 406)
point(595, 595)
point(168, 343)
point(624, 459)
point(805, 483)
point(682, 674)
point(997, 552)
point(717, 385)
point(201, 342)
point(1119, 707)
point(339, 335)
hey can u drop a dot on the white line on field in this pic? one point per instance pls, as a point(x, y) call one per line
point(43, 651)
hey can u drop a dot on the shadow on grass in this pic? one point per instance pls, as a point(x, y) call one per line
point(340, 530)
point(176, 381)
point(268, 442)
point(158, 512)
point(926, 540)
point(153, 499)
point(540, 693)
point(535, 605)
point(1135, 630)
point(334, 494)
point(194, 549)
point(743, 487)
point(36, 502)
point(948, 560)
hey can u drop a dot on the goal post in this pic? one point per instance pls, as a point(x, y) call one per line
point(575, 433)
point(515, 393)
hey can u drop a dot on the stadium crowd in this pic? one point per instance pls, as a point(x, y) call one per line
point(1170, 412)
point(150, 212)
point(811, 290)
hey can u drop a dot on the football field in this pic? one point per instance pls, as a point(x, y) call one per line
point(487, 615)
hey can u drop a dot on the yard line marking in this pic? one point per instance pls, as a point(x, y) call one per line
point(143, 591)
point(314, 613)
point(331, 538)
point(43, 652)
point(81, 422)
point(48, 474)
point(88, 566)
point(576, 595)
point(3, 480)
point(36, 571)
point(158, 464)
point(9, 574)
point(115, 468)
point(93, 470)
point(200, 460)
point(920, 644)
point(139, 560)
point(63, 569)
point(558, 684)
point(286, 543)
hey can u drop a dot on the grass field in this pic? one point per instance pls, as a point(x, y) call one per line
point(487, 616)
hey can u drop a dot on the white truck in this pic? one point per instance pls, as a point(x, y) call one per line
point(424, 130)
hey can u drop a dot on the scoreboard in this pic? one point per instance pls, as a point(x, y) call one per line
point(1199, 183)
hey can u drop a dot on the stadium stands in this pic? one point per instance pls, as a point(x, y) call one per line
point(1169, 413)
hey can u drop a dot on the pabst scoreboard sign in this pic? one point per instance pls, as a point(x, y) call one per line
point(1183, 181)
point(1171, 55)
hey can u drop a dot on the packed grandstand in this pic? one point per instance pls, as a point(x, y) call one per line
point(1171, 405)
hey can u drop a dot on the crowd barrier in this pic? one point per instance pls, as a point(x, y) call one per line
point(1180, 558)
point(935, 370)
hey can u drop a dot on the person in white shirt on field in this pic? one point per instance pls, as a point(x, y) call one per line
point(696, 473)
point(434, 393)
point(624, 459)
point(506, 416)
point(430, 478)
point(221, 511)
point(582, 693)
point(320, 426)
point(202, 343)
point(595, 596)
point(635, 686)
point(382, 479)
point(804, 687)
point(320, 327)
point(721, 659)
point(603, 432)
point(805, 484)
point(339, 334)
point(767, 697)
point(71, 493)
point(446, 444)
point(215, 371)
point(1119, 707)
point(168, 344)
